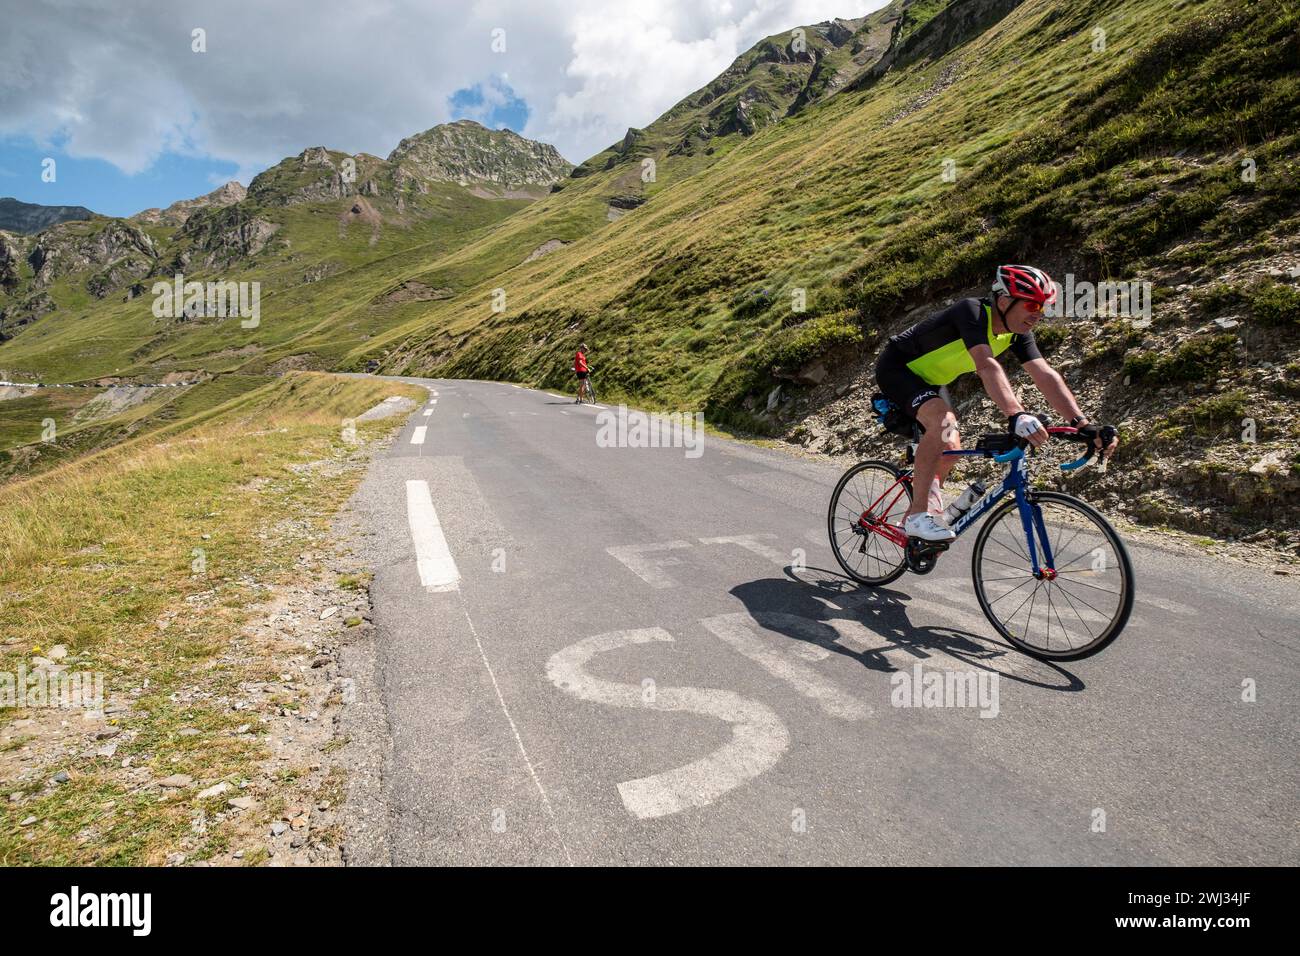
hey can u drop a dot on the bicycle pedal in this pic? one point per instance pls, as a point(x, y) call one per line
point(921, 544)
point(921, 555)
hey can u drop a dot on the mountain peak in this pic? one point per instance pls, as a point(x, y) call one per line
point(466, 152)
point(179, 212)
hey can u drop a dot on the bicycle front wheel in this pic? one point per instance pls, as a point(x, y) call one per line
point(1073, 607)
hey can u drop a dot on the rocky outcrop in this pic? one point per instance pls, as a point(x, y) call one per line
point(955, 24)
point(413, 290)
point(11, 254)
point(18, 314)
point(220, 237)
point(546, 248)
point(314, 175)
point(467, 153)
point(178, 213)
point(118, 252)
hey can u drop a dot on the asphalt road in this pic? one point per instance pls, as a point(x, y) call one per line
point(606, 655)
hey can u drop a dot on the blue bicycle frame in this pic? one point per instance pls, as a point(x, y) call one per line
point(1016, 482)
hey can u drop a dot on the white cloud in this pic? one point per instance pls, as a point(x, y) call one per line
point(118, 81)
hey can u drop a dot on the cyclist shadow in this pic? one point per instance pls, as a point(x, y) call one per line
point(825, 608)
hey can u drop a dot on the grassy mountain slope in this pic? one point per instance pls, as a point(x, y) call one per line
point(846, 199)
point(1108, 140)
point(1117, 163)
point(76, 303)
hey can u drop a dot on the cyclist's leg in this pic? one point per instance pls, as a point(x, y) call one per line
point(932, 466)
point(922, 401)
point(950, 437)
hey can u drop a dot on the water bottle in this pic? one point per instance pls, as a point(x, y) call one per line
point(973, 493)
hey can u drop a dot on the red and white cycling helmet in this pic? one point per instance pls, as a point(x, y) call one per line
point(1025, 282)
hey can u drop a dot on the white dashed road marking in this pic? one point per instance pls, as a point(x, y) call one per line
point(650, 569)
point(417, 436)
point(753, 542)
point(438, 571)
point(428, 412)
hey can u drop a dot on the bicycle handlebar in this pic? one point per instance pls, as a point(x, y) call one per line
point(1056, 432)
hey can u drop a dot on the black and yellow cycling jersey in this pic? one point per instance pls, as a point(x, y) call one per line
point(937, 349)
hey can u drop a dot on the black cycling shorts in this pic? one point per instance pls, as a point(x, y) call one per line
point(582, 374)
point(901, 385)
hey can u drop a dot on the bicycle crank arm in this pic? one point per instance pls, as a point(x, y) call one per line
point(922, 555)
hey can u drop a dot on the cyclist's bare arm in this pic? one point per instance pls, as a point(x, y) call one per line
point(999, 388)
point(995, 380)
point(1058, 394)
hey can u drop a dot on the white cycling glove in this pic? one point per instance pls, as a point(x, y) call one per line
point(1026, 425)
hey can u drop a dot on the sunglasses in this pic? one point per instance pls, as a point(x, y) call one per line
point(1034, 308)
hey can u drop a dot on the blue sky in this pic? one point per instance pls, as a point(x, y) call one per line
point(99, 185)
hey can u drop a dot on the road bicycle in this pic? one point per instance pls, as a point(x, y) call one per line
point(1050, 573)
point(587, 390)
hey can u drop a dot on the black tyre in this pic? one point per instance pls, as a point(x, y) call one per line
point(1071, 615)
point(867, 557)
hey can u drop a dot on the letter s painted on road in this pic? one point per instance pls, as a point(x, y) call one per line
point(758, 737)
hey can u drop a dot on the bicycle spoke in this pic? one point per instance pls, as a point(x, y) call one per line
point(1082, 554)
point(1013, 567)
point(1086, 604)
point(1030, 615)
point(1095, 587)
point(1077, 614)
point(1012, 616)
point(1017, 551)
point(1027, 579)
point(1060, 623)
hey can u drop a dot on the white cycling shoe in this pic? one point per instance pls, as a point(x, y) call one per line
point(927, 527)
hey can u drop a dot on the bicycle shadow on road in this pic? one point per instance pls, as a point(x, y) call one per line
point(825, 608)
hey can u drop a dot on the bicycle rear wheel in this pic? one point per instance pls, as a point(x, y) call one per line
point(1078, 607)
point(866, 556)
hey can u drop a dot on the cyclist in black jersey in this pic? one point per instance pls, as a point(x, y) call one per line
point(917, 364)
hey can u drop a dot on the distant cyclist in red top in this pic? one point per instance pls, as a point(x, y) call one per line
point(581, 369)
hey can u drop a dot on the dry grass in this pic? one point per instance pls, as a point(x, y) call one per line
point(145, 561)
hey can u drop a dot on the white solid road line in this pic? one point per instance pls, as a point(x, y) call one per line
point(438, 571)
point(417, 436)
